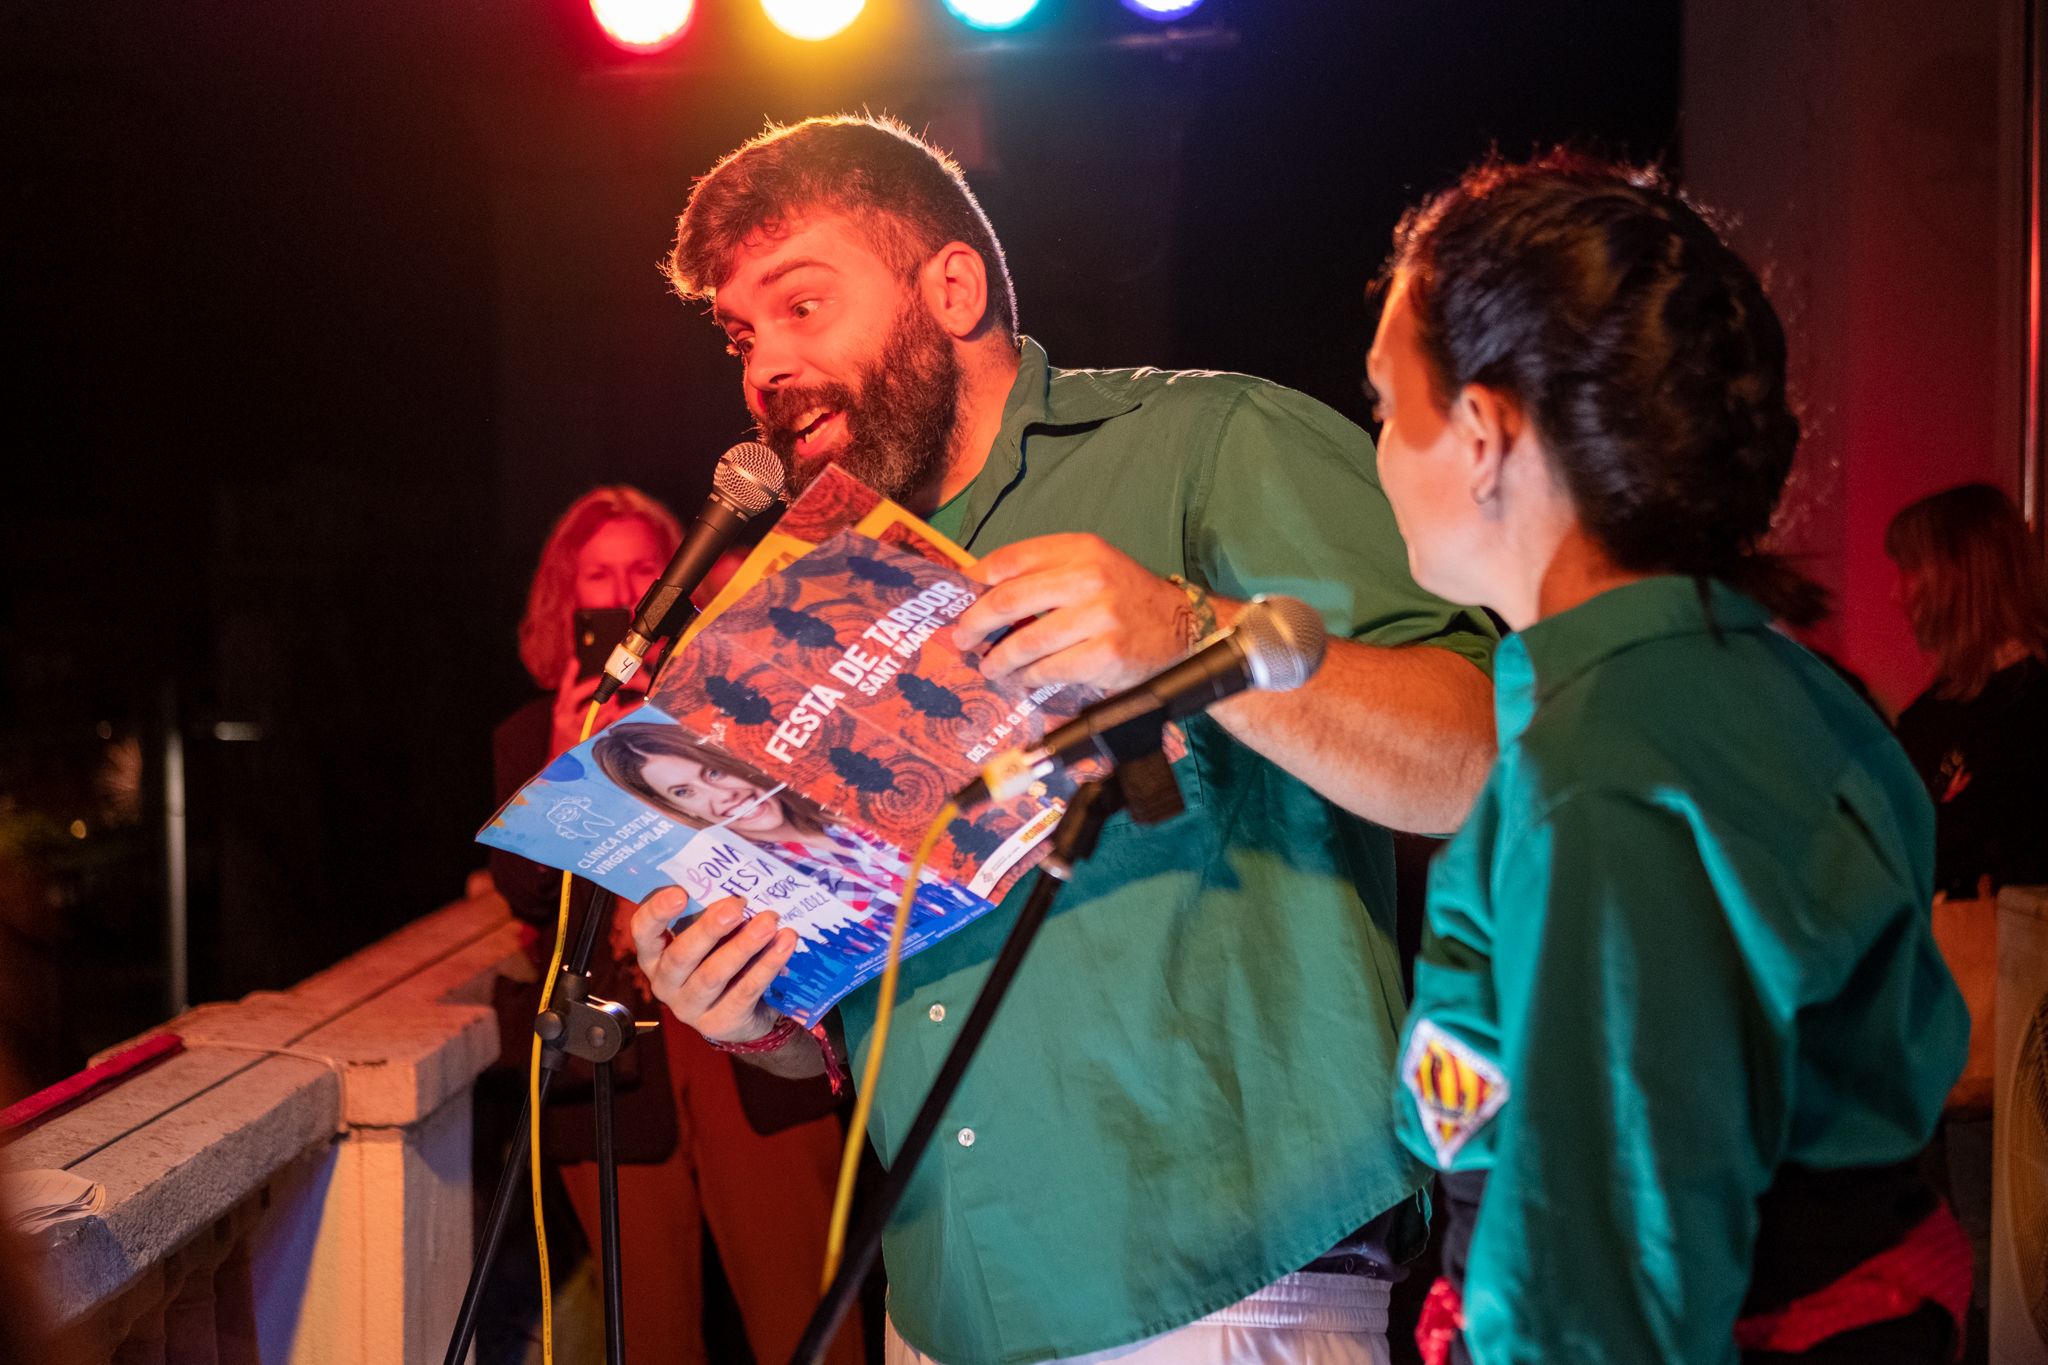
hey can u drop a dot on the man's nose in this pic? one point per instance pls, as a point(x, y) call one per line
point(770, 366)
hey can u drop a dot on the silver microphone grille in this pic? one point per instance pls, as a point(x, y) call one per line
point(748, 478)
point(1283, 642)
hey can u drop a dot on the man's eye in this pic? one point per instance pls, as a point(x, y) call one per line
point(803, 308)
point(739, 346)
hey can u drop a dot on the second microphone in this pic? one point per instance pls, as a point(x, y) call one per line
point(1274, 646)
point(747, 482)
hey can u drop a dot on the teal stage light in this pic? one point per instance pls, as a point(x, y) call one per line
point(991, 14)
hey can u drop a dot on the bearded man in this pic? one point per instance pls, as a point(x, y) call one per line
point(1174, 1143)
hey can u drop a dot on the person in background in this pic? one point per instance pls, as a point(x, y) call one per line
point(691, 1158)
point(1680, 1027)
point(1973, 586)
point(601, 555)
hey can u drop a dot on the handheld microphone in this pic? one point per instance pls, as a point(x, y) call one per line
point(748, 480)
point(1273, 647)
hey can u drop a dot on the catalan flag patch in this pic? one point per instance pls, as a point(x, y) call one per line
point(1456, 1089)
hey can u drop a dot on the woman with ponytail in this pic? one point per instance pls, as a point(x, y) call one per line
point(1680, 1025)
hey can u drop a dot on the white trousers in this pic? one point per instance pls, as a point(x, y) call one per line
point(1297, 1320)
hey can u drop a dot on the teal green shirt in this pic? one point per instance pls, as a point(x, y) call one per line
point(946, 521)
point(1185, 1095)
point(1683, 939)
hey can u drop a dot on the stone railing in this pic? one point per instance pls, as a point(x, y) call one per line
point(294, 1186)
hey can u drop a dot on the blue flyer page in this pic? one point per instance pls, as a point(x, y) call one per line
point(644, 804)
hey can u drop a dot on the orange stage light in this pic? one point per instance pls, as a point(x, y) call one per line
point(812, 20)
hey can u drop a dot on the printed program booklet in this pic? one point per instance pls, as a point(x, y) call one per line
point(798, 744)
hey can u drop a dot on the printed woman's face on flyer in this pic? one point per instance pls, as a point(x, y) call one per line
point(705, 795)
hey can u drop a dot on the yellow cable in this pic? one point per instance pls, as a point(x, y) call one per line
point(547, 992)
point(864, 1095)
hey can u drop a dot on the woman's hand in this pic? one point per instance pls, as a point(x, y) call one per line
point(712, 974)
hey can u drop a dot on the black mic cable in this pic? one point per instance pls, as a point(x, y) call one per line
point(748, 480)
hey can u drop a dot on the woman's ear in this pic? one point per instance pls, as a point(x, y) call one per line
point(955, 287)
point(1487, 423)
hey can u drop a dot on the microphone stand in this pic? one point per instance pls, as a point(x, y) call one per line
point(1142, 782)
point(576, 1024)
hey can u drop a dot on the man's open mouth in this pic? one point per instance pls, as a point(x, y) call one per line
point(814, 424)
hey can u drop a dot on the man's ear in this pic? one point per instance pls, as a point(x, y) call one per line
point(955, 287)
point(1487, 423)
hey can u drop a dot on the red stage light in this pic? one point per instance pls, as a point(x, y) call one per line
point(643, 25)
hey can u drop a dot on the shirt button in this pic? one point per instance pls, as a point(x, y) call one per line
point(937, 1013)
point(966, 1137)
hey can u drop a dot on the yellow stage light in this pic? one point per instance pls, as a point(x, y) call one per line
point(812, 20)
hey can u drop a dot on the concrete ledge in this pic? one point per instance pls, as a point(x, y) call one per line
point(170, 1181)
point(391, 1036)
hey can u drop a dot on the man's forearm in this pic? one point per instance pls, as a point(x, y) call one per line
point(1402, 736)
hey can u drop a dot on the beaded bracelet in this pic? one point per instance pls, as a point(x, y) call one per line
point(785, 1029)
point(775, 1038)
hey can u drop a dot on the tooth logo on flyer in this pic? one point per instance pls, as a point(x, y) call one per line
point(1456, 1089)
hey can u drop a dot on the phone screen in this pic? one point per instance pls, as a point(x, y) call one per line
point(597, 631)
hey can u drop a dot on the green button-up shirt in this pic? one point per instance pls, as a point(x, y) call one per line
point(1185, 1094)
point(1683, 939)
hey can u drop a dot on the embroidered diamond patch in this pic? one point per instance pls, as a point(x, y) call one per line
point(1456, 1089)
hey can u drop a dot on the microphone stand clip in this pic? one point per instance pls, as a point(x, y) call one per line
point(1140, 780)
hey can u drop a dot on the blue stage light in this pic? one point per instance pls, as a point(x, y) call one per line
point(991, 14)
point(1165, 11)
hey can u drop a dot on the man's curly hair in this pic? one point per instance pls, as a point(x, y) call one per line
point(906, 196)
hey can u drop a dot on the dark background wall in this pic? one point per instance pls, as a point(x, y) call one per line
point(1870, 154)
point(324, 310)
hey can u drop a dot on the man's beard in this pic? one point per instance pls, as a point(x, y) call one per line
point(899, 422)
